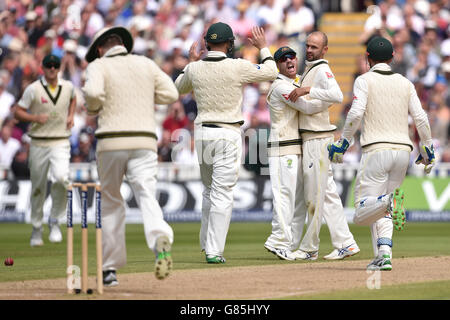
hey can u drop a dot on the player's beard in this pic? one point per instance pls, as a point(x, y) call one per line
point(312, 57)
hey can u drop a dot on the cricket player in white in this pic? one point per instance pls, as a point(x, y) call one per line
point(285, 161)
point(49, 104)
point(381, 103)
point(121, 88)
point(322, 199)
point(217, 83)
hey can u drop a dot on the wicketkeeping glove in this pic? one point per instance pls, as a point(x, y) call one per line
point(426, 157)
point(336, 150)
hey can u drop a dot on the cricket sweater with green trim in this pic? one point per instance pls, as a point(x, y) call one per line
point(122, 89)
point(38, 99)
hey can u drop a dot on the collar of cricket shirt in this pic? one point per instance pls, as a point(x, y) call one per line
point(45, 83)
point(312, 63)
point(115, 51)
point(216, 54)
point(283, 77)
point(381, 67)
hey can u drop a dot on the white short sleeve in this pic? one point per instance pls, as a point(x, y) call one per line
point(27, 98)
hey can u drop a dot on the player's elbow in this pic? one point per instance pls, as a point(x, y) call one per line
point(93, 103)
point(92, 93)
point(339, 96)
point(273, 71)
point(168, 96)
point(270, 70)
point(16, 113)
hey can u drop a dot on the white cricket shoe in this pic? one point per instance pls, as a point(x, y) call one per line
point(381, 262)
point(339, 254)
point(55, 235)
point(303, 255)
point(36, 237)
point(283, 254)
point(110, 278)
point(163, 263)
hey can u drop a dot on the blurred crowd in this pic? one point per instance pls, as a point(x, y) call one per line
point(164, 31)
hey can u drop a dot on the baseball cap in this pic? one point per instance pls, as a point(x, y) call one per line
point(219, 32)
point(51, 61)
point(380, 49)
point(282, 52)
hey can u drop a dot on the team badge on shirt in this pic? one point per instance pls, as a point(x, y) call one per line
point(43, 100)
point(286, 96)
point(289, 163)
point(329, 75)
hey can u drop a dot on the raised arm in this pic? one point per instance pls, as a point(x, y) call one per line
point(267, 70)
point(165, 90)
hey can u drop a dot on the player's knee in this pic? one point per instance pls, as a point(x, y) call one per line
point(61, 177)
point(361, 220)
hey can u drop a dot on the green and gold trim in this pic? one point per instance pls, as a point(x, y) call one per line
point(284, 143)
point(388, 142)
point(54, 99)
point(214, 59)
point(125, 134)
point(385, 73)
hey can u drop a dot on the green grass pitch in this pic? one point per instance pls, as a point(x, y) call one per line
point(244, 248)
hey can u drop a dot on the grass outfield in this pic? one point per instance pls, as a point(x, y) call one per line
point(437, 290)
point(244, 248)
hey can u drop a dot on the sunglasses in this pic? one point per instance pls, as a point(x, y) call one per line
point(52, 65)
point(287, 56)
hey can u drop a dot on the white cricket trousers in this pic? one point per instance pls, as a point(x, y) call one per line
point(321, 198)
point(219, 152)
point(286, 177)
point(49, 163)
point(381, 171)
point(140, 169)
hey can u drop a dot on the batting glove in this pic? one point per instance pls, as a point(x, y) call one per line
point(336, 150)
point(426, 157)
